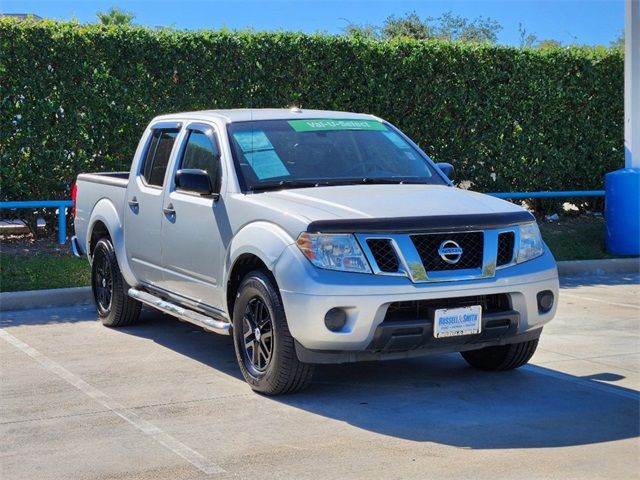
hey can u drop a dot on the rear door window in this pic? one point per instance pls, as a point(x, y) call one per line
point(157, 156)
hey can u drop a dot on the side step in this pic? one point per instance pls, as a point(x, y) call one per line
point(208, 323)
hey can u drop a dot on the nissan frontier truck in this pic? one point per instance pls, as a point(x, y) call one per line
point(312, 237)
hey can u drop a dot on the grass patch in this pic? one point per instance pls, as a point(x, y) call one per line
point(29, 266)
point(575, 238)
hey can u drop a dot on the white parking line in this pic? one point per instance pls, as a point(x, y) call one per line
point(627, 305)
point(177, 447)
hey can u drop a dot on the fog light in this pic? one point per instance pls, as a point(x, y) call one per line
point(335, 319)
point(545, 301)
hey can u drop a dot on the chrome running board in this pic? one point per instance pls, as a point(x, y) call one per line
point(208, 323)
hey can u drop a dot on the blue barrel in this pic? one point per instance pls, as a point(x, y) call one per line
point(622, 211)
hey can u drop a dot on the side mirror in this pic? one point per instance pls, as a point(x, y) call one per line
point(193, 180)
point(448, 170)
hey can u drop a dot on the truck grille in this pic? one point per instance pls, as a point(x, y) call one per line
point(384, 254)
point(506, 242)
point(419, 309)
point(472, 244)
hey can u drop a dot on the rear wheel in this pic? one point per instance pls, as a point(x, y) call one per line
point(503, 357)
point(264, 347)
point(115, 307)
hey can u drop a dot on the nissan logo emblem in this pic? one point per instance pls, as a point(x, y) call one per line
point(450, 252)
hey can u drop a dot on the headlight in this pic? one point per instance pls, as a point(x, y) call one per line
point(530, 242)
point(333, 252)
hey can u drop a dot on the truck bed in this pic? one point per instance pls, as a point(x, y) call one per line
point(117, 179)
point(92, 188)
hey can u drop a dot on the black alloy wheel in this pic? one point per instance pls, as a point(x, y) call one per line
point(103, 283)
point(265, 349)
point(115, 307)
point(257, 330)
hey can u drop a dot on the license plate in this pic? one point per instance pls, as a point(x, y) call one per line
point(451, 322)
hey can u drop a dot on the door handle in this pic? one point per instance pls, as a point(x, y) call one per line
point(133, 203)
point(169, 211)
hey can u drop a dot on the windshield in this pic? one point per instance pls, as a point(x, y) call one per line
point(276, 154)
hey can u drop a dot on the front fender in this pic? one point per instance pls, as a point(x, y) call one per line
point(105, 211)
point(265, 240)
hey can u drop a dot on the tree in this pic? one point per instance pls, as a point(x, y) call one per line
point(527, 40)
point(362, 31)
point(619, 41)
point(411, 25)
point(456, 28)
point(549, 43)
point(115, 16)
point(445, 27)
point(530, 40)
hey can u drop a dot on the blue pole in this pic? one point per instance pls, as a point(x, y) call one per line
point(622, 204)
point(62, 225)
point(622, 211)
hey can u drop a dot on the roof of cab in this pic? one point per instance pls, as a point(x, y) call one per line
point(247, 114)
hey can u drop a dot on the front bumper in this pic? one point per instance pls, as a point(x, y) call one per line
point(308, 293)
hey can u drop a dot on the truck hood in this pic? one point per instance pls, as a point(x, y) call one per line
point(383, 201)
point(360, 206)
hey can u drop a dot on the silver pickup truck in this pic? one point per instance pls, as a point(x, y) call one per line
point(312, 237)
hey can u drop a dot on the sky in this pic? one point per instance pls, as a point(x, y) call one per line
point(590, 22)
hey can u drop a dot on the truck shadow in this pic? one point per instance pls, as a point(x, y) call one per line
point(48, 316)
point(440, 399)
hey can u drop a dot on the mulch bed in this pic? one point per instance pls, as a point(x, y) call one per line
point(27, 245)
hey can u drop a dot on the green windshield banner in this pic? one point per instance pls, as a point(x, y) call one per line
point(324, 124)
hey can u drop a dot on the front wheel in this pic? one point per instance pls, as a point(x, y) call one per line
point(264, 347)
point(503, 357)
point(115, 307)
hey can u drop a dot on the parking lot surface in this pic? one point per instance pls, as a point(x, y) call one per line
point(165, 400)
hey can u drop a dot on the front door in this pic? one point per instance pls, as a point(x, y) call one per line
point(191, 250)
point(143, 205)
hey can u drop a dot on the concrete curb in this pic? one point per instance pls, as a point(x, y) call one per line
point(598, 267)
point(60, 297)
point(56, 297)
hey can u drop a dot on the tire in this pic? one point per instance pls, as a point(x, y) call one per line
point(115, 307)
point(504, 357)
point(264, 347)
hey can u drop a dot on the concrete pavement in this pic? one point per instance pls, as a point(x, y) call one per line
point(165, 400)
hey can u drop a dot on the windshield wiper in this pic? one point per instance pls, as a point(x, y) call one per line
point(393, 181)
point(283, 184)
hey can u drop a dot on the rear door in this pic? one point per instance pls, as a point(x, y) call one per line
point(143, 208)
point(192, 243)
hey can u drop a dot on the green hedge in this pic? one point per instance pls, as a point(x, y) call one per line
point(75, 98)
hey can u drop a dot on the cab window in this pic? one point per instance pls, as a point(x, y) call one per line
point(157, 156)
point(202, 154)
